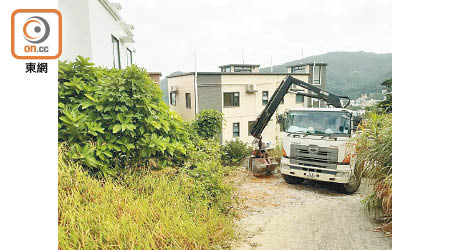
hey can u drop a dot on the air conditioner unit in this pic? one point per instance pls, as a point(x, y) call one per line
point(173, 89)
point(251, 88)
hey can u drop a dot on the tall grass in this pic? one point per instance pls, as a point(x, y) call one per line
point(374, 150)
point(140, 209)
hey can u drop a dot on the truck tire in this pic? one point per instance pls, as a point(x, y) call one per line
point(292, 179)
point(352, 186)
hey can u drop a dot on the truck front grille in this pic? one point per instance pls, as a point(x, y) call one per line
point(314, 156)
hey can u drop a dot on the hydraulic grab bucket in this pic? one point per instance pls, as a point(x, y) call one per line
point(260, 163)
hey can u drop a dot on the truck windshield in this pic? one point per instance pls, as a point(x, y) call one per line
point(318, 122)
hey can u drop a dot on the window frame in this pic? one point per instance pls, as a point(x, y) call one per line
point(129, 57)
point(298, 94)
point(319, 80)
point(313, 100)
point(116, 41)
point(262, 97)
point(226, 70)
point(173, 98)
point(188, 101)
point(251, 127)
point(238, 129)
point(298, 69)
point(245, 69)
point(233, 100)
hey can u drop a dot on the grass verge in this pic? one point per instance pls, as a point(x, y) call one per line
point(141, 209)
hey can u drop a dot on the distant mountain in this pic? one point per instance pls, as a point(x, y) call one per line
point(350, 73)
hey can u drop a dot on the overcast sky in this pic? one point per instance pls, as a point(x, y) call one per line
point(169, 32)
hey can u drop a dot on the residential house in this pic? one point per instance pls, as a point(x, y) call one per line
point(95, 29)
point(240, 92)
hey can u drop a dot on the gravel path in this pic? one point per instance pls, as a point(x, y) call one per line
point(277, 215)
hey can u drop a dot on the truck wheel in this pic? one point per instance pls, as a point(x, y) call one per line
point(352, 186)
point(292, 179)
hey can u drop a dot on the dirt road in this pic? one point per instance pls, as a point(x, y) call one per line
point(277, 215)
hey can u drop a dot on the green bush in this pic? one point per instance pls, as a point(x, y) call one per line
point(112, 119)
point(142, 209)
point(208, 123)
point(235, 151)
point(374, 160)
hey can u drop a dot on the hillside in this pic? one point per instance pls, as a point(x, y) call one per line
point(350, 73)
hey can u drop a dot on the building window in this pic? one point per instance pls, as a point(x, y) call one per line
point(251, 124)
point(227, 69)
point(299, 98)
point(265, 97)
point(173, 98)
point(315, 102)
point(116, 52)
point(242, 69)
point(129, 57)
point(317, 75)
point(298, 69)
point(231, 99)
point(188, 100)
point(236, 129)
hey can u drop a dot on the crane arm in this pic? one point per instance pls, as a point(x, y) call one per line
point(281, 91)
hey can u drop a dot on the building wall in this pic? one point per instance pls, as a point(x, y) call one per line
point(87, 29)
point(209, 92)
point(103, 25)
point(76, 33)
point(185, 84)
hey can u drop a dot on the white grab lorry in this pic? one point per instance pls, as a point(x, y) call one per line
point(316, 140)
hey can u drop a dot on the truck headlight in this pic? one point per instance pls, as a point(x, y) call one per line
point(285, 166)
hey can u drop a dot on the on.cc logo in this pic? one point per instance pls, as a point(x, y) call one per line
point(36, 29)
point(36, 34)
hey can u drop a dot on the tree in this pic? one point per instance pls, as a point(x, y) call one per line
point(386, 105)
point(208, 123)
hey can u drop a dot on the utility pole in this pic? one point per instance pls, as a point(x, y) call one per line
point(302, 56)
point(242, 54)
point(195, 85)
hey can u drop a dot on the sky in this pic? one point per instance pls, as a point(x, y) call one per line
point(169, 33)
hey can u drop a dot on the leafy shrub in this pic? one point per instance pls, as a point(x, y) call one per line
point(112, 119)
point(235, 151)
point(142, 209)
point(208, 123)
point(374, 151)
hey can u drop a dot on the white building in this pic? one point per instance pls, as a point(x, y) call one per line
point(94, 29)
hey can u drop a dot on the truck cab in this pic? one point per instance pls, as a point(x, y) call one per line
point(317, 146)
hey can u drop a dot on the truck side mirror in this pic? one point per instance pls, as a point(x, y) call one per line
point(356, 121)
point(280, 119)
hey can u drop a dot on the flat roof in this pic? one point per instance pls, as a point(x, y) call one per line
point(304, 64)
point(235, 73)
point(242, 65)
